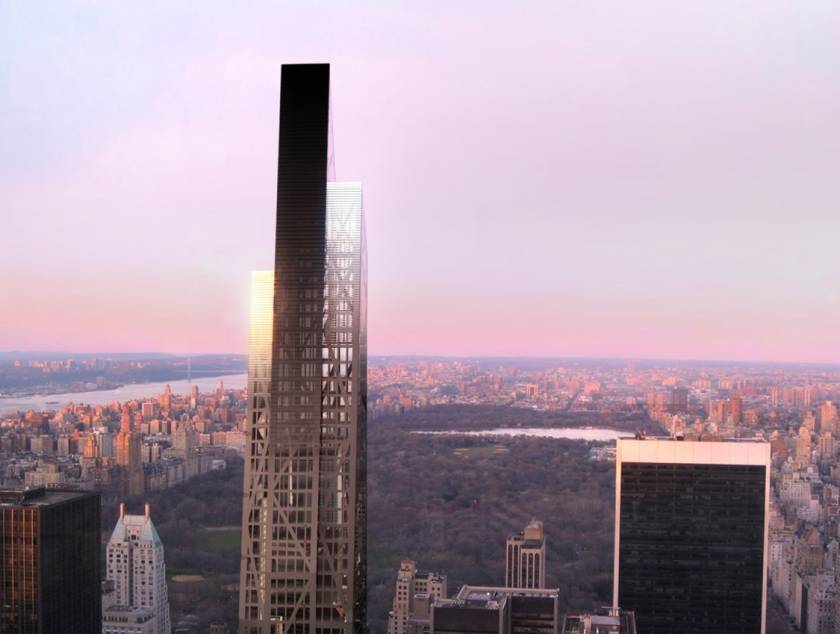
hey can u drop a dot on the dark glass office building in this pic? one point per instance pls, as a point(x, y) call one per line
point(49, 562)
point(303, 567)
point(691, 535)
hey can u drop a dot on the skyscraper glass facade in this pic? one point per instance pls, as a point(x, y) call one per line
point(304, 514)
point(691, 542)
point(49, 562)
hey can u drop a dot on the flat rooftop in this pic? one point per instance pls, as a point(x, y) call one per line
point(493, 592)
point(40, 497)
point(674, 450)
point(481, 598)
point(623, 623)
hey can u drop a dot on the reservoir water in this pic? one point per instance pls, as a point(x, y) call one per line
point(571, 433)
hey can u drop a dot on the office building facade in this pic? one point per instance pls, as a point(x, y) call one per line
point(691, 528)
point(303, 567)
point(49, 562)
point(525, 557)
point(414, 594)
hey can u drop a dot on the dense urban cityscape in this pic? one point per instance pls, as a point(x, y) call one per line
point(151, 444)
point(557, 354)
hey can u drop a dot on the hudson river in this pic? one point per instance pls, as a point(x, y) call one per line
point(125, 393)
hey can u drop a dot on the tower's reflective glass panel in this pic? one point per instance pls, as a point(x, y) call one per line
point(303, 542)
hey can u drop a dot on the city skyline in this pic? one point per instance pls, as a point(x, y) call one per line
point(668, 176)
point(596, 250)
point(42, 355)
point(485, 421)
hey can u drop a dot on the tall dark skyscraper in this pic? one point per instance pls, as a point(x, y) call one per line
point(49, 562)
point(304, 518)
point(691, 535)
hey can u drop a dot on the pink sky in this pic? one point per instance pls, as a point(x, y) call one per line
point(648, 181)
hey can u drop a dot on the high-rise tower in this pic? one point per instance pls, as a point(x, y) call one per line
point(135, 564)
point(303, 567)
point(525, 557)
point(129, 456)
point(691, 524)
point(49, 562)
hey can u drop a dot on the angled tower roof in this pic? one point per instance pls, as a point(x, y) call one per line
point(139, 527)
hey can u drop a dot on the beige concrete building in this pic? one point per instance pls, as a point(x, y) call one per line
point(525, 560)
point(413, 597)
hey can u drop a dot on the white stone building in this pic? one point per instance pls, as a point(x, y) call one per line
point(135, 565)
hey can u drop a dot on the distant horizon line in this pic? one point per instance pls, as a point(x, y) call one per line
point(10, 354)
